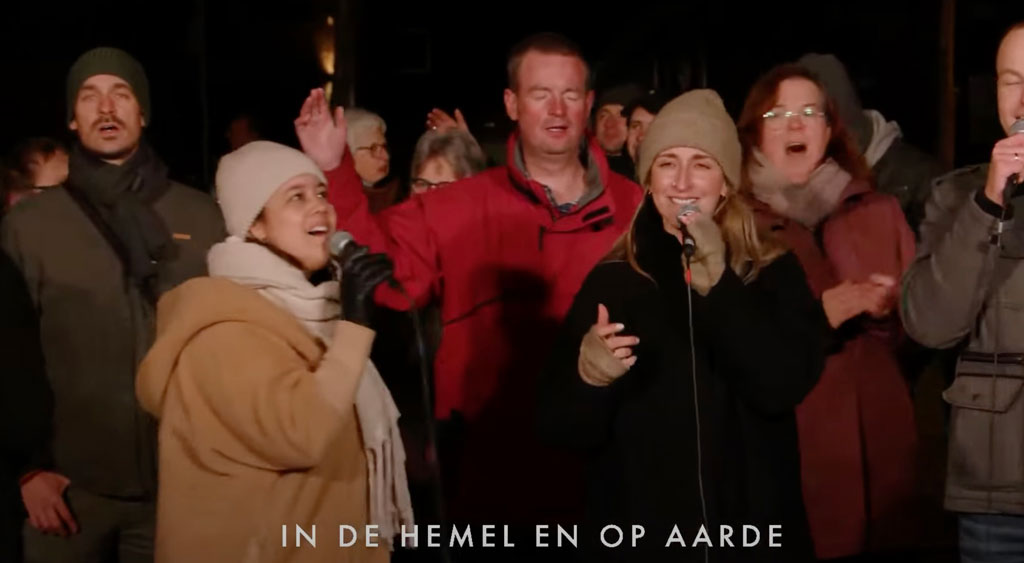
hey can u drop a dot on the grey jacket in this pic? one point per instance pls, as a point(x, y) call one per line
point(96, 327)
point(958, 290)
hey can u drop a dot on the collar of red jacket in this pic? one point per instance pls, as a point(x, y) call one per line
point(598, 209)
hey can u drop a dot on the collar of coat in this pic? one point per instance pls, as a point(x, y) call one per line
point(594, 211)
point(657, 252)
point(853, 193)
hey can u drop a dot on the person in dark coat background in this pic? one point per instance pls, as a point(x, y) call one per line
point(900, 169)
point(685, 432)
point(610, 125)
point(26, 403)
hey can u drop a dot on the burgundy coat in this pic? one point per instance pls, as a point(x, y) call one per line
point(856, 428)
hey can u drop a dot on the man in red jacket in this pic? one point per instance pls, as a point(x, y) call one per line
point(504, 252)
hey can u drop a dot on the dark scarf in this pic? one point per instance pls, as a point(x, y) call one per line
point(123, 196)
point(657, 252)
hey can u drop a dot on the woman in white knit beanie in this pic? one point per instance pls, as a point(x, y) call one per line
point(271, 413)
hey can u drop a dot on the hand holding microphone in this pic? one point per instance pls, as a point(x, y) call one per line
point(704, 246)
point(1006, 169)
point(361, 273)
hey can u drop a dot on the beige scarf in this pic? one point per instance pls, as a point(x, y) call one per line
point(809, 203)
point(317, 308)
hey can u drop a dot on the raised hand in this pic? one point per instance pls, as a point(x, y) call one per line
point(605, 356)
point(441, 121)
point(322, 136)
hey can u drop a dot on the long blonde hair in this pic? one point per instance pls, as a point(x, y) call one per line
point(749, 248)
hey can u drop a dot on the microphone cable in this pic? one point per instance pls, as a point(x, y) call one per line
point(688, 252)
point(433, 460)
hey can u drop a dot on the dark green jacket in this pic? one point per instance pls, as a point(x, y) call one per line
point(95, 328)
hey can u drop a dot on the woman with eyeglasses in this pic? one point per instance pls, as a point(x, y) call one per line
point(371, 158)
point(814, 191)
point(442, 157)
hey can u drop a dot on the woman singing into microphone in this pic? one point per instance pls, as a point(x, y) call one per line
point(683, 398)
point(271, 415)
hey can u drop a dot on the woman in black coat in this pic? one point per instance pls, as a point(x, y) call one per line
point(689, 428)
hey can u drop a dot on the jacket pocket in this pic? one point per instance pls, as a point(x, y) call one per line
point(986, 432)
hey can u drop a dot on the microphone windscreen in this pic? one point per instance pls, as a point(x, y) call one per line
point(338, 241)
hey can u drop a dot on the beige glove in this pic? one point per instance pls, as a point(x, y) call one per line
point(708, 263)
point(605, 357)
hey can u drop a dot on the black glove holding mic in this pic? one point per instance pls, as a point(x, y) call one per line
point(361, 273)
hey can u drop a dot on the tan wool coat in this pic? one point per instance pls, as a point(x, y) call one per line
point(258, 430)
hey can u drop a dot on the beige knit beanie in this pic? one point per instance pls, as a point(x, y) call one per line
point(695, 119)
point(249, 176)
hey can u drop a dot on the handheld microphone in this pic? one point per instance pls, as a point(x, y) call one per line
point(1017, 127)
point(342, 247)
point(689, 245)
point(1013, 181)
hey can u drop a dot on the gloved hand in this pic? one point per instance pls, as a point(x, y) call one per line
point(361, 273)
point(708, 262)
point(604, 355)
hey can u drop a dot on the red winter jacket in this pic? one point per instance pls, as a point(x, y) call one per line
point(505, 266)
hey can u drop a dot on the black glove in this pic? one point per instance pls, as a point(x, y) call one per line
point(361, 273)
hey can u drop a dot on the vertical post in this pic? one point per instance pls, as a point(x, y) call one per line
point(947, 103)
point(204, 93)
point(345, 55)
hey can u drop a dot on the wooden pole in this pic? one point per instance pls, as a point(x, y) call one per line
point(947, 104)
point(345, 55)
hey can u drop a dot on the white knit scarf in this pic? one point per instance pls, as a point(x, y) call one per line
point(317, 308)
point(808, 203)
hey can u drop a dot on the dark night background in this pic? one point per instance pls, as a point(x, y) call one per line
point(208, 60)
point(260, 57)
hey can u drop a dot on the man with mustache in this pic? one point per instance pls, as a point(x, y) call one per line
point(96, 253)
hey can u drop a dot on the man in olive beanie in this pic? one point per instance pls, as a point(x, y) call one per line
point(96, 254)
point(112, 61)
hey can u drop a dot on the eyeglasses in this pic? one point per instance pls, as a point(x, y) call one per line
point(778, 119)
point(422, 185)
point(376, 149)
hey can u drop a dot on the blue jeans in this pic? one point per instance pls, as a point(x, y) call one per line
point(991, 538)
